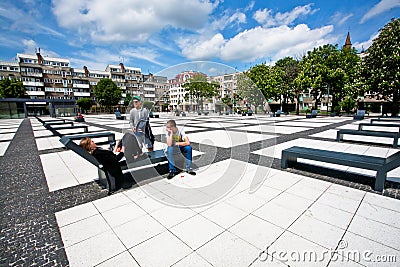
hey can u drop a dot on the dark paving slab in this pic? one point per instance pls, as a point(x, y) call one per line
point(29, 233)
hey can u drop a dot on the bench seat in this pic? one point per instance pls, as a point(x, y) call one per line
point(106, 178)
point(109, 135)
point(361, 125)
point(394, 135)
point(45, 124)
point(381, 165)
point(313, 114)
point(389, 119)
point(55, 130)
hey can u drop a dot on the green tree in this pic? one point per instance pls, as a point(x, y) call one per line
point(127, 99)
point(12, 88)
point(107, 93)
point(327, 67)
point(289, 70)
point(198, 88)
point(348, 104)
point(248, 90)
point(85, 104)
point(267, 79)
point(381, 66)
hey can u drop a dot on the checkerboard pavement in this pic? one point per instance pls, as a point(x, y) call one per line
point(55, 214)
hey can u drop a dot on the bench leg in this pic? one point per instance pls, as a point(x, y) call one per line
point(395, 141)
point(380, 181)
point(339, 136)
point(107, 180)
point(287, 160)
point(86, 130)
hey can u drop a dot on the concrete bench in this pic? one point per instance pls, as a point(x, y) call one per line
point(394, 135)
point(277, 113)
point(385, 120)
point(313, 114)
point(105, 177)
point(362, 125)
point(110, 136)
point(360, 115)
point(381, 165)
point(46, 123)
point(55, 130)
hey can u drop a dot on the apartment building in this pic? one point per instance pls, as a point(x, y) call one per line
point(53, 78)
point(177, 93)
point(156, 90)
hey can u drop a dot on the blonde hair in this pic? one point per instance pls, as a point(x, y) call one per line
point(85, 144)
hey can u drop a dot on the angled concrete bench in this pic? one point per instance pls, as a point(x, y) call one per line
point(394, 135)
point(313, 114)
point(105, 177)
point(381, 165)
point(362, 125)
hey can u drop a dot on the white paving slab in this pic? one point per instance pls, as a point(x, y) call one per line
point(3, 147)
point(227, 139)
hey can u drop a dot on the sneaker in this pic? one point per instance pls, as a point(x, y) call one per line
point(171, 175)
point(191, 172)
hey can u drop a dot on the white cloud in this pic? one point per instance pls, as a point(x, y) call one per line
point(365, 45)
point(381, 7)
point(25, 22)
point(274, 43)
point(30, 47)
point(258, 43)
point(340, 18)
point(266, 18)
point(130, 20)
point(202, 49)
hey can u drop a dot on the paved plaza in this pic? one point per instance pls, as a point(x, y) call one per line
point(241, 209)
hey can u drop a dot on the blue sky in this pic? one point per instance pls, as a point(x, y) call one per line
point(157, 34)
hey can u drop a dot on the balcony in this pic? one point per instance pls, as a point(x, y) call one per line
point(81, 85)
point(26, 83)
point(150, 95)
point(32, 74)
point(35, 93)
point(82, 94)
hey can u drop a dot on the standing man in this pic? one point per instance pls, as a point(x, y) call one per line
point(177, 142)
point(139, 121)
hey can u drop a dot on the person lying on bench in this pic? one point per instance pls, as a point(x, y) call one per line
point(130, 150)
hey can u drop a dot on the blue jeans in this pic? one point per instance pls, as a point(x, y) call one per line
point(174, 150)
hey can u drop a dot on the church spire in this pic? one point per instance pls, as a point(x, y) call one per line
point(347, 44)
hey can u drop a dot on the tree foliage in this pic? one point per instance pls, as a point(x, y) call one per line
point(249, 91)
point(289, 70)
point(12, 88)
point(107, 93)
point(381, 67)
point(267, 80)
point(327, 67)
point(85, 104)
point(198, 89)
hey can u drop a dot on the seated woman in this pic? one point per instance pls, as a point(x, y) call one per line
point(111, 161)
point(79, 117)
